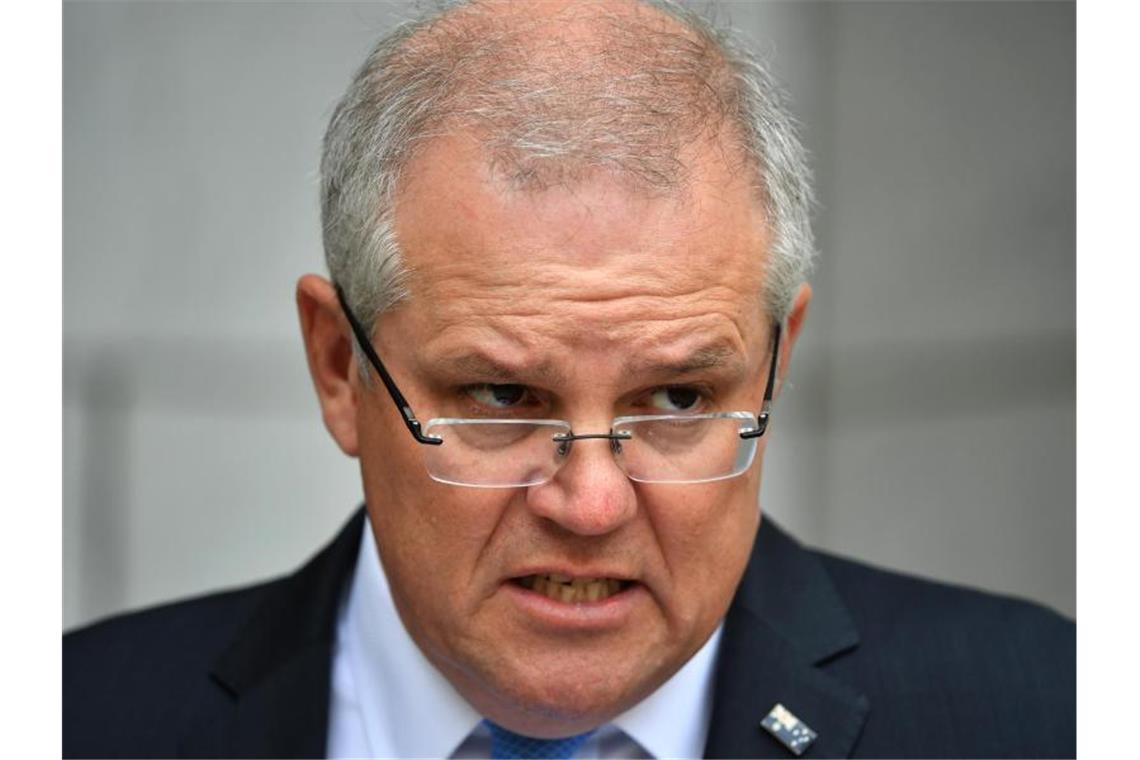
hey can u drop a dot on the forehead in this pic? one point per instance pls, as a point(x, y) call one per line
point(596, 263)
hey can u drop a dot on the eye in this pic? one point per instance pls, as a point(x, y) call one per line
point(675, 398)
point(497, 396)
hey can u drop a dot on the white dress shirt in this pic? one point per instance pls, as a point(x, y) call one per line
point(388, 701)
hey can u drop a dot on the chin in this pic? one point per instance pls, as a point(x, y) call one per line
point(559, 698)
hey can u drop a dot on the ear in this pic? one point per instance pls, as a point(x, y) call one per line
point(792, 327)
point(331, 364)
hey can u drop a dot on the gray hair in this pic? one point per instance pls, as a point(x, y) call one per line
point(640, 91)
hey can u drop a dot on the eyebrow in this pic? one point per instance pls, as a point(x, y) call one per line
point(714, 356)
point(484, 367)
point(720, 356)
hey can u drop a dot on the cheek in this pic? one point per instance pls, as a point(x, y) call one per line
point(431, 541)
point(430, 535)
point(707, 544)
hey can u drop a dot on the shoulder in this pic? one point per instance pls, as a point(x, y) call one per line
point(234, 674)
point(895, 607)
point(197, 620)
point(1003, 669)
point(128, 680)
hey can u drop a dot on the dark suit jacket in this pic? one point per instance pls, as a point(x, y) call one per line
point(878, 664)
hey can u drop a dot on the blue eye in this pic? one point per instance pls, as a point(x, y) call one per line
point(497, 396)
point(675, 398)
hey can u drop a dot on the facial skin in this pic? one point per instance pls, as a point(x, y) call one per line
point(595, 297)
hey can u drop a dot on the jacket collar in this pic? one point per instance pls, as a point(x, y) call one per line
point(275, 675)
point(785, 622)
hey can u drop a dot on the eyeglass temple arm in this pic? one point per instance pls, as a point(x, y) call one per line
point(398, 399)
point(766, 408)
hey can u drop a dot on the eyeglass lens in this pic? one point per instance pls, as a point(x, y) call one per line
point(509, 453)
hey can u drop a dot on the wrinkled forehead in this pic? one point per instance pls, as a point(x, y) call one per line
point(597, 258)
point(459, 221)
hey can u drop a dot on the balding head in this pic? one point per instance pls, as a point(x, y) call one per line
point(556, 91)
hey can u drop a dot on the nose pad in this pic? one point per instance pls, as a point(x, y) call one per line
point(563, 446)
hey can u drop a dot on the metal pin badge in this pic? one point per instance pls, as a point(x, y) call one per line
point(788, 730)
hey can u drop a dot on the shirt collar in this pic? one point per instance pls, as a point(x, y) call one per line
point(671, 722)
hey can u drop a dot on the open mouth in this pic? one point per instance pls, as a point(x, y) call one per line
point(564, 588)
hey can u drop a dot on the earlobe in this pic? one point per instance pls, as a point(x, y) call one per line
point(329, 354)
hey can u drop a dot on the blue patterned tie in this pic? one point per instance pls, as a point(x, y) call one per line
point(507, 744)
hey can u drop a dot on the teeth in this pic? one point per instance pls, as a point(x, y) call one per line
point(569, 590)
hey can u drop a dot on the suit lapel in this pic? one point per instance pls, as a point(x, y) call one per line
point(785, 621)
point(274, 678)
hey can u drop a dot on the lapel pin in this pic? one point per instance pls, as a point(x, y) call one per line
point(788, 730)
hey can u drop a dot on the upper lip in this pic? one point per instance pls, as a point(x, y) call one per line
point(572, 572)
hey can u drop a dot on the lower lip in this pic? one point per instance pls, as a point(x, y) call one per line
point(612, 612)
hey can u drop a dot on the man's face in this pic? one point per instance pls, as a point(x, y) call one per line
point(579, 303)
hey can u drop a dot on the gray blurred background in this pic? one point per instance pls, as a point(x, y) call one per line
point(930, 424)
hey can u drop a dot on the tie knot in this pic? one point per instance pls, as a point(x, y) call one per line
point(507, 744)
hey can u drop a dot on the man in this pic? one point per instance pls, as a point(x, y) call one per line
point(568, 245)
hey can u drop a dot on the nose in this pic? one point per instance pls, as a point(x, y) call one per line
point(589, 495)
